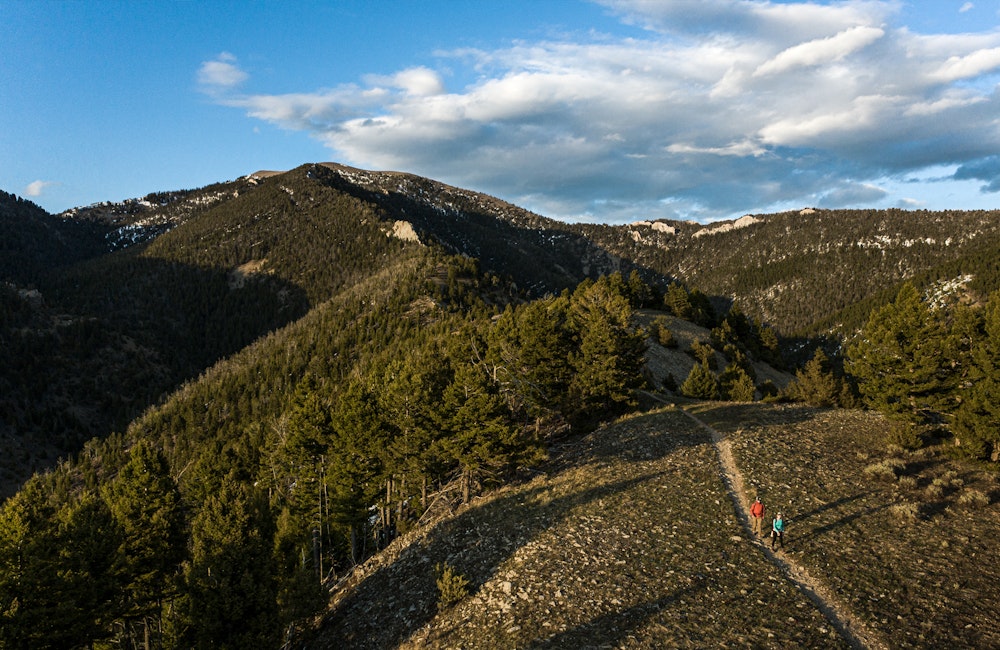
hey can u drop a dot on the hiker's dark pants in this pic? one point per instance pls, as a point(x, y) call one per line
point(780, 537)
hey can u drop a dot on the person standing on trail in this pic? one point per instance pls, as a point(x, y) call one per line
point(757, 517)
point(778, 531)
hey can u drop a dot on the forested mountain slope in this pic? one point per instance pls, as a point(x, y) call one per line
point(799, 270)
point(107, 308)
point(240, 392)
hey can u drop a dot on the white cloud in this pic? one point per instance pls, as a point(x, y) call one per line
point(37, 188)
point(968, 6)
point(968, 66)
point(724, 107)
point(414, 81)
point(821, 50)
point(221, 73)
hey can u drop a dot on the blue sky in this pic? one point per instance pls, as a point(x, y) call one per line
point(610, 111)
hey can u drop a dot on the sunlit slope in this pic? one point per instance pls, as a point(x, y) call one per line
point(629, 539)
point(907, 540)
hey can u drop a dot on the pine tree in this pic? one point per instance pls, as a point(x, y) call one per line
point(640, 294)
point(88, 539)
point(736, 385)
point(230, 587)
point(480, 437)
point(528, 357)
point(899, 359)
point(301, 459)
point(356, 462)
point(146, 505)
point(977, 421)
point(701, 383)
point(815, 383)
point(678, 303)
point(705, 354)
point(28, 568)
point(608, 360)
point(409, 398)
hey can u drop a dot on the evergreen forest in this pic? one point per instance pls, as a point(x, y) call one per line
point(219, 402)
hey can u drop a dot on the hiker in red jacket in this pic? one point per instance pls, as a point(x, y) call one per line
point(757, 517)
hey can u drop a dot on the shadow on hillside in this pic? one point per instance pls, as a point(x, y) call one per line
point(833, 525)
point(843, 501)
point(736, 415)
point(608, 630)
point(647, 437)
point(132, 329)
point(396, 601)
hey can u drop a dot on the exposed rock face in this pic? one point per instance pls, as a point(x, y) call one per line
point(404, 230)
point(742, 222)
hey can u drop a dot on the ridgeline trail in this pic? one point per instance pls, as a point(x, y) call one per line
point(852, 629)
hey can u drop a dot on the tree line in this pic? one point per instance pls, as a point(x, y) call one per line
point(211, 524)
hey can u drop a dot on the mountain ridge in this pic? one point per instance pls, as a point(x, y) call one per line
point(257, 252)
point(304, 362)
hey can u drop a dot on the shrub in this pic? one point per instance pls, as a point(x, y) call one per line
point(452, 586)
point(905, 511)
point(934, 490)
point(700, 383)
point(903, 434)
point(908, 482)
point(889, 468)
point(663, 334)
point(974, 499)
point(768, 391)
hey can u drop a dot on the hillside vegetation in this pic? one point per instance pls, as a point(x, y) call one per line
point(627, 538)
point(365, 408)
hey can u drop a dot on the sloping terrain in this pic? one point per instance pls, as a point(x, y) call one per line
point(629, 539)
point(906, 539)
point(802, 272)
point(106, 310)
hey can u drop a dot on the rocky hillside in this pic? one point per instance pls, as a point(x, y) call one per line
point(630, 538)
point(818, 271)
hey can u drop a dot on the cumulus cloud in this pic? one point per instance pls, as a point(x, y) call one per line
point(220, 74)
point(413, 81)
point(852, 194)
point(821, 50)
point(37, 188)
point(722, 107)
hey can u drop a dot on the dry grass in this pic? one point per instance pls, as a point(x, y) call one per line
point(917, 558)
point(628, 540)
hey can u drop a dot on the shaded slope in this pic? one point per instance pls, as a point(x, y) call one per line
point(33, 242)
point(627, 540)
point(110, 334)
point(236, 403)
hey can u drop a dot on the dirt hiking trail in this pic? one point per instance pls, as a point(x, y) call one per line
point(850, 628)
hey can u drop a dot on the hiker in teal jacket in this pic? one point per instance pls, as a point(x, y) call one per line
point(778, 531)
